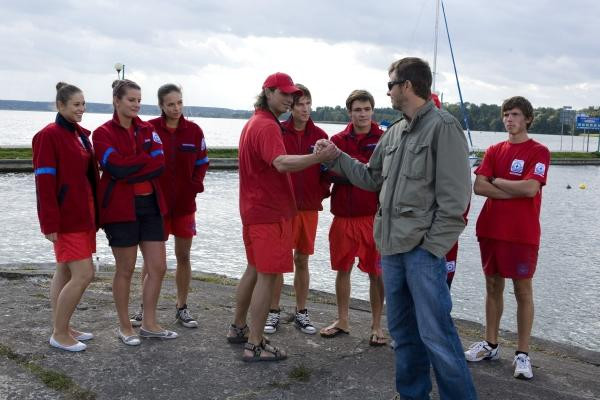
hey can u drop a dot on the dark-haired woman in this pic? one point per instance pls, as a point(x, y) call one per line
point(186, 162)
point(131, 206)
point(66, 176)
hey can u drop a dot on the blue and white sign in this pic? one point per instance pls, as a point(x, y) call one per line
point(589, 123)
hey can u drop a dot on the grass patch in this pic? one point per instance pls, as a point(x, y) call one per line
point(300, 373)
point(16, 153)
point(52, 379)
point(10, 153)
point(218, 279)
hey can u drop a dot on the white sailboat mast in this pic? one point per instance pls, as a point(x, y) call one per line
point(435, 43)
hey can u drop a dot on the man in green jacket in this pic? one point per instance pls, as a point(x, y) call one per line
point(420, 167)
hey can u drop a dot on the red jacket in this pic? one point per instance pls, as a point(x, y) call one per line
point(62, 176)
point(311, 185)
point(125, 161)
point(186, 162)
point(348, 200)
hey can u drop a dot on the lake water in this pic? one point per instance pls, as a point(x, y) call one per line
point(566, 284)
point(18, 127)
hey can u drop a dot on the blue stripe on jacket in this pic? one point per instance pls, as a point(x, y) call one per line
point(45, 170)
point(201, 161)
point(106, 154)
point(156, 152)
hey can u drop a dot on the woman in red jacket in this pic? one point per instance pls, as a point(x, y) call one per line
point(186, 162)
point(131, 206)
point(66, 176)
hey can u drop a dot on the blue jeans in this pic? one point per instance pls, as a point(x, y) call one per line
point(418, 314)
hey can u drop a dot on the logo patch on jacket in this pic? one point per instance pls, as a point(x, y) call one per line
point(156, 138)
point(517, 167)
point(540, 169)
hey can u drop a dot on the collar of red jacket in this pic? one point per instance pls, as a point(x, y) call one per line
point(288, 126)
point(181, 124)
point(137, 121)
point(349, 130)
point(268, 114)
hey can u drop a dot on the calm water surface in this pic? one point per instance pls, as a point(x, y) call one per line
point(18, 127)
point(566, 284)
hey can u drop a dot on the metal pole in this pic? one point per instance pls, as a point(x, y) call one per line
point(588, 142)
point(562, 128)
point(435, 42)
point(123, 71)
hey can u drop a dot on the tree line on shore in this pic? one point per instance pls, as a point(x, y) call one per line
point(483, 117)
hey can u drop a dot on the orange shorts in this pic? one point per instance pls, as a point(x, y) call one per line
point(508, 259)
point(183, 226)
point(304, 229)
point(269, 247)
point(353, 237)
point(74, 246)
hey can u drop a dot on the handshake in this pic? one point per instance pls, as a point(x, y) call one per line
point(326, 151)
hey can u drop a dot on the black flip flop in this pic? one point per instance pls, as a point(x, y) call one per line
point(336, 331)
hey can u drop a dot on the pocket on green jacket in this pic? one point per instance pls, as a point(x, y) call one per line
point(415, 164)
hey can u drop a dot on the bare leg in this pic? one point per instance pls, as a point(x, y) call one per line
point(259, 308)
point(59, 280)
point(524, 296)
point(82, 273)
point(154, 254)
point(125, 264)
point(274, 305)
point(342, 294)
point(376, 297)
point(494, 306)
point(183, 273)
point(301, 279)
point(244, 295)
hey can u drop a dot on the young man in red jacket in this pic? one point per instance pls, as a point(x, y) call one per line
point(311, 186)
point(351, 233)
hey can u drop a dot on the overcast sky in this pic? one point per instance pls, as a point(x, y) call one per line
point(221, 51)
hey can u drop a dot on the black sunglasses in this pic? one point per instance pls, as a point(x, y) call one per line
point(392, 83)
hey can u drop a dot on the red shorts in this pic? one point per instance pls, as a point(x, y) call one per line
point(74, 246)
point(269, 247)
point(183, 226)
point(304, 229)
point(508, 259)
point(353, 237)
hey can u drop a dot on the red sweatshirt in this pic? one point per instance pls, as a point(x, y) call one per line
point(348, 200)
point(186, 162)
point(311, 185)
point(64, 177)
point(126, 160)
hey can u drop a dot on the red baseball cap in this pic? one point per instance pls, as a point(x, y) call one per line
point(283, 82)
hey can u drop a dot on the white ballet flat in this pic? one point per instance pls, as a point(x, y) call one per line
point(83, 336)
point(132, 340)
point(75, 347)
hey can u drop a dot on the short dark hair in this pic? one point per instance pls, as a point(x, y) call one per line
point(64, 92)
point(120, 87)
point(361, 95)
point(416, 71)
point(305, 93)
point(522, 104)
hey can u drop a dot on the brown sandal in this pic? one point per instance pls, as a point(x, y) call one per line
point(241, 334)
point(257, 350)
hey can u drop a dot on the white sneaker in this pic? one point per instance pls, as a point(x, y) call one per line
point(482, 351)
point(522, 364)
point(272, 321)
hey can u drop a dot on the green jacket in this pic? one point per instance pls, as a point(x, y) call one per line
point(421, 169)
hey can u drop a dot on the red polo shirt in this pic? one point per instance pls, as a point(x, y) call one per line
point(518, 219)
point(266, 195)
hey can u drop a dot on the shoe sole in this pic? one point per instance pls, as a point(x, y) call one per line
point(486, 358)
point(523, 377)
point(305, 331)
point(269, 331)
point(187, 324)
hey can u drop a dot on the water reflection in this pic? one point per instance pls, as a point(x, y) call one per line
point(566, 283)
